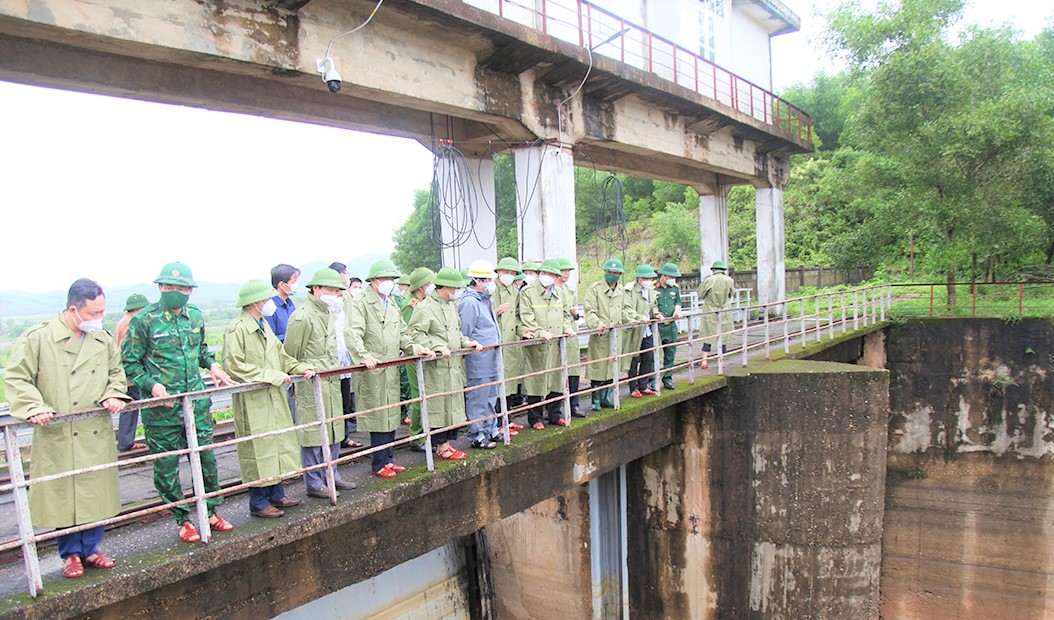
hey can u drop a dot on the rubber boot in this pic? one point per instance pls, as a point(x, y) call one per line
point(605, 399)
point(596, 400)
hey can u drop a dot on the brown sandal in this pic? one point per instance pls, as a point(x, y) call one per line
point(73, 567)
point(98, 560)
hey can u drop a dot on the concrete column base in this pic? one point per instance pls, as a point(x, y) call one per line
point(545, 194)
point(772, 268)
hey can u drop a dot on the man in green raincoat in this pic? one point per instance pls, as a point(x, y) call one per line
point(436, 327)
point(64, 365)
point(420, 286)
point(715, 293)
point(604, 303)
point(310, 338)
point(375, 332)
point(639, 342)
point(669, 304)
point(542, 314)
point(162, 352)
point(505, 300)
point(574, 349)
point(251, 353)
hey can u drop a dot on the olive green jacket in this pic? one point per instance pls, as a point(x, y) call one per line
point(604, 305)
point(637, 309)
point(309, 338)
point(512, 357)
point(376, 330)
point(574, 348)
point(253, 353)
point(715, 293)
point(435, 325)
point(52, 370)
point(542, 311)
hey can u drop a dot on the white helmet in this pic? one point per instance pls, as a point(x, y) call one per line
point(481, 269)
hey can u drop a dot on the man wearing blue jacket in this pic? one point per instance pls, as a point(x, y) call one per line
point(479, 323)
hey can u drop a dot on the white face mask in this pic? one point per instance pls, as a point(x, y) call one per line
point(293, 290)
point(646, 284)
point(431, 289)
point(529, 279)
point(506, 279)
point(88, 327)
point(546, 280)
point(356, 292)
point(671, 281)
point(490, 287)
point(386, 287)
point(332, 301)
point(269, 308)
point(457, 294)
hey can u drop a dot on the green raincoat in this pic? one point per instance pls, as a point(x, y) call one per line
point(253, 353)
point(309, 338)
point(51, 370)
point(507, 320)
point(376, 330)
point(574, 349)
point(637, 308)
point(543, 312)
point(604, 305)
point(715, 293)
point(436, 325)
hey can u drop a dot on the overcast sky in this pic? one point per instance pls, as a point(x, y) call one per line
point(112, 189)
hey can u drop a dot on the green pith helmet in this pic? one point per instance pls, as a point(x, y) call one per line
point(176, 273)
point(509, 264)
point(252, 292)
point(669, 269)
point(422, 276)
point(464, 277)
point(645, 271)
point(403, 280)
point(382, 269)
point(613, 265)
point(450, 277)
point(565, 264)
point(530, 265)
point(327, 277)
point(718, 264)
point(135, 301)
point(518, 278)
point(550, 266)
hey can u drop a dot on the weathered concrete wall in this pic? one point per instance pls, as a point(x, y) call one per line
point(540, 559)
point(770, 505)
point(970, 503)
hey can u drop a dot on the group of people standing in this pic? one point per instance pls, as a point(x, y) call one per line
point(70, 363)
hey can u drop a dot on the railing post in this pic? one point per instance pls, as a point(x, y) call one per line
point(564, 373)
point(830, 315)
point(802, 303)
point(25, 521)
point(327, 453)
point(614, 368)
point(745, 314)
point(845, 324)
point(720, 344)
point(931, 301)
point(881, 305)
point(656, 356)
point(856, 316)
point(768, 345)
point(196, 479)
point(1021, 299)
point(786, 328)
point(426, 425)
point(503, 404)
point(691, 352)
point(973, 299)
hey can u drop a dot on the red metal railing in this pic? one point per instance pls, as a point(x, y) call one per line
point(589, 25)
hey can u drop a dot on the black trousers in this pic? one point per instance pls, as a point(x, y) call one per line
point(642, 365)
point(537, 412)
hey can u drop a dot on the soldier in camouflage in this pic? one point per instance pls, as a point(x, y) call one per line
point(162, 353)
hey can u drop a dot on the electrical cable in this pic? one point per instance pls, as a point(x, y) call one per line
point(329, 48)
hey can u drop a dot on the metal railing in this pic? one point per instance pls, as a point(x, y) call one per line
point(584, 23)
point(782, 324)
point(974, 299)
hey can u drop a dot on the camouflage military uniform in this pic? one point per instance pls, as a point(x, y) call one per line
point(168, 348)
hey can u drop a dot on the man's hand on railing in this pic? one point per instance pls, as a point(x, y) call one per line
point(660, 316)
point(370, 362)
point(113, 405)
point(428, 354)
point(445, 352)
point(602, 329)
point(159, 391)
point(570, 332)
point(546, 336)
point(472, 344)
point(308, 374)
point(219, 377)
point(42, 419)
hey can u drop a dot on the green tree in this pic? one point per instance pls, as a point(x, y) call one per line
point(413, 240)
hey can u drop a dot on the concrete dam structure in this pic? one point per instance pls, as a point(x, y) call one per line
point(898, 471)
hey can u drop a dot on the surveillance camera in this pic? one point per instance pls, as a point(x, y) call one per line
point(330, 76)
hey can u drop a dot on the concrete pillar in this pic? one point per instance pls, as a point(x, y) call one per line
point(772, 278)
point(540, 559)
point(770, 507)
point(545, 193)
point(713, 229)
point(467, 206)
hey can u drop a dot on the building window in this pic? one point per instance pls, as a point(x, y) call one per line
point(710, 11)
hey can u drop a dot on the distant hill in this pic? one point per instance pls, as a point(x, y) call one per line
point(16, 303)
